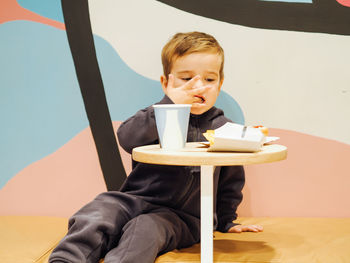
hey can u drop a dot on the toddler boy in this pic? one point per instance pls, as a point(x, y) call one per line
point(158, 207)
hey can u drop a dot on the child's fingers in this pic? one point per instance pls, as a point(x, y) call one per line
point(254, 228)
point(257, 227)
point(189, 84)
point(171, 81)
point(248, 228)
point(199, 90)
point(235, 229)
point(260, 228)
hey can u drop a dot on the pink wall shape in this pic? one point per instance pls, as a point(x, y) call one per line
point(344, 2)
point(313, 181)
point(59, 184)
point(10, 10)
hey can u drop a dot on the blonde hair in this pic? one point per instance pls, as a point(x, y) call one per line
point(182, 44)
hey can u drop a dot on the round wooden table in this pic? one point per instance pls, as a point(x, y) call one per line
point(197, 154)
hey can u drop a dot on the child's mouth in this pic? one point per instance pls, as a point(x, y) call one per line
point(199, 99)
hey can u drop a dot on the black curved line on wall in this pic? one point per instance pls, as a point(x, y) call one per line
point(79, 33)
point(322, 16)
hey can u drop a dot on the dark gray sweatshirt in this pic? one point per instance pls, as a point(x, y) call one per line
point(178, 187)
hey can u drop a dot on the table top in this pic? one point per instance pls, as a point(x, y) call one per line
point(195, 154)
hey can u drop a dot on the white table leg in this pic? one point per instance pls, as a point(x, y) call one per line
point(207, 213)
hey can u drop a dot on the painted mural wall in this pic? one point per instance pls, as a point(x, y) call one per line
point(70, 72)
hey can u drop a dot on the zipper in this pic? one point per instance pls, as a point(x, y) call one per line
point(198, 135)
point(187, 192)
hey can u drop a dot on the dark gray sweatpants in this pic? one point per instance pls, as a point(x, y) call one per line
point(124, 228)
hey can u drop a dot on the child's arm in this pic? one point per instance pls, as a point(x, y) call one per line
point(229, 196)
point(140, 129)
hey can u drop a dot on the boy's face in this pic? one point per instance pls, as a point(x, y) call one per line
point(206, 66)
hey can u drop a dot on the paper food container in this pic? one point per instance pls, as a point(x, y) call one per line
point(236, 137)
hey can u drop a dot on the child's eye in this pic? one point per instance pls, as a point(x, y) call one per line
point(210, 80)
point(186, 79)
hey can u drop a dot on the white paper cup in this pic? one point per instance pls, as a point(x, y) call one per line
point(172, 124)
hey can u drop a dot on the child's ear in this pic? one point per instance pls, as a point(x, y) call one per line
point(164, 82)
point(221, 82)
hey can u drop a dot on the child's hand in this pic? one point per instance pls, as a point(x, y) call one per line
point(249, 228)
point(186, 93)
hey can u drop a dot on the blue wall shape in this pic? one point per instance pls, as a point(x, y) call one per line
point(41, 107)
